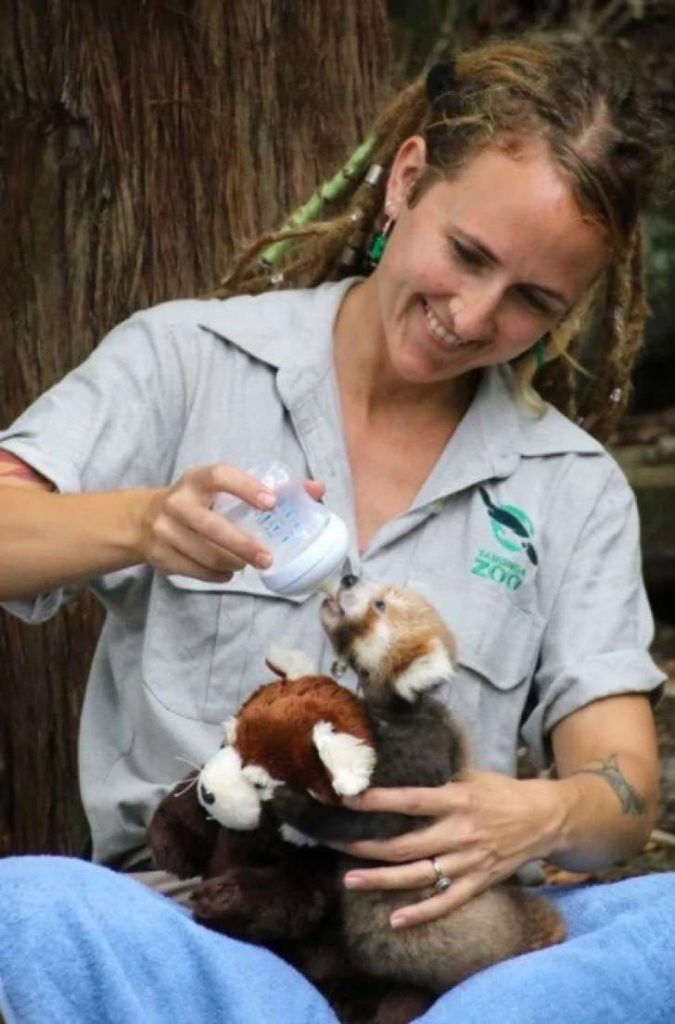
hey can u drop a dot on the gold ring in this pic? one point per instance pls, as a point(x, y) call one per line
point(442, 881)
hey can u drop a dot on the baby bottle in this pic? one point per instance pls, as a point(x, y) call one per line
point(308, 541)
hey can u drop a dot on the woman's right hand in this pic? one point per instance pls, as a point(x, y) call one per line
point(181, 534)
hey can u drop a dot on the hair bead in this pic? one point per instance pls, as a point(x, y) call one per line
point(375, 172)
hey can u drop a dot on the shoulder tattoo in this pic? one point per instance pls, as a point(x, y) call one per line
point(632, 802)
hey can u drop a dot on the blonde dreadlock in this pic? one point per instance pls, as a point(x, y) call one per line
point(599, 132)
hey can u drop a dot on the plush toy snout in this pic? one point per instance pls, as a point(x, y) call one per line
point(231, 793)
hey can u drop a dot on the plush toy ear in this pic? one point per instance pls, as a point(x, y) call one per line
point(289, 663)
point(230, 728)
point(348, 760)
point(427, 672)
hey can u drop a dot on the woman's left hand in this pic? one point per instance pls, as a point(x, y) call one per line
point(480, 831)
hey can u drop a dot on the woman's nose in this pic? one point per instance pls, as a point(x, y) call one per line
point(473, 314)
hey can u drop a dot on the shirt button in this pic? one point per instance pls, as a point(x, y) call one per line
point(438, 506)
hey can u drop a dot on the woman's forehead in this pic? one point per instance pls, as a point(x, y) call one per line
point(521, 212)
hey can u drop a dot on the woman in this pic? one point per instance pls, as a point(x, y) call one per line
point(512, 195)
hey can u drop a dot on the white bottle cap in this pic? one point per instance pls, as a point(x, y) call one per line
point(312, 566)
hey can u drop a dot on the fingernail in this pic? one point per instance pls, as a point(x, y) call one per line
point(354, 881)
point(397, 920)
point(266, 499)
point(263, 560)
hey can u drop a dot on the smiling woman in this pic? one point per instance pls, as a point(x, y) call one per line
point(472, 276)
point(394, 355)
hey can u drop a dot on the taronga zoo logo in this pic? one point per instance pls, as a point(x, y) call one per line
point(513, 531)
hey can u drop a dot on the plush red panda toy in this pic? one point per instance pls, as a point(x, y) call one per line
point(303, 731)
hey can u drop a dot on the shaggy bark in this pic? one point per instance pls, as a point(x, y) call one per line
point(139, 144)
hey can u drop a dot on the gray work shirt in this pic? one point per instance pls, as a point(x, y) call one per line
point(524, 536)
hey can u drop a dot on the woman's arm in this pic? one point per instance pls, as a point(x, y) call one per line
point(606, 756)
point(48, 540)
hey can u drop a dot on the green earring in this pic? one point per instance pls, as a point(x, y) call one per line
point(539, 351)
point(379, 243)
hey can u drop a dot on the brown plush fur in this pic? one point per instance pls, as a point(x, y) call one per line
point(274, 729)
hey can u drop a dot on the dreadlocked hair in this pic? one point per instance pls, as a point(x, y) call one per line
point(316, 249)
point(580, 100)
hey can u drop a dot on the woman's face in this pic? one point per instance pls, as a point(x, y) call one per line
point(481, 266)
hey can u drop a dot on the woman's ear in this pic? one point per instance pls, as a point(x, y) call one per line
point(408, 165)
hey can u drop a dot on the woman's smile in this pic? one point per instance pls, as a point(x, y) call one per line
point(427, 346)
point(438, 332)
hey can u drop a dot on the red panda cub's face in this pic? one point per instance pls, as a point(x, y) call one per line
point(392, 638)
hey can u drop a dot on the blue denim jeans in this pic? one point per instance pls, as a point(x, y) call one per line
point(80, 943)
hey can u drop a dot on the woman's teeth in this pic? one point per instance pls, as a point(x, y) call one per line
point(439, 331)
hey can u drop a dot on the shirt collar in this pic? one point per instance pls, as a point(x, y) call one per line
point(289, 330)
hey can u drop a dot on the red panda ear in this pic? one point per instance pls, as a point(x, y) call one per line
point(289, 663)
point(428, 672)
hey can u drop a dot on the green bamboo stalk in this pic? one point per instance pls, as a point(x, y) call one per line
point(326, 192)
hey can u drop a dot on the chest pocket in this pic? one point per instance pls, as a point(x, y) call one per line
point(498, 644)
point(205, 643)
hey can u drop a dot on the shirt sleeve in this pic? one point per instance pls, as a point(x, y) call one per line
point(112, 422)
point(596, 640)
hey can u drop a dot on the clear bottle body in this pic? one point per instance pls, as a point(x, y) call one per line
point(305, 538)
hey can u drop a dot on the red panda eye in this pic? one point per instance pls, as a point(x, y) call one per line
point(380, 605)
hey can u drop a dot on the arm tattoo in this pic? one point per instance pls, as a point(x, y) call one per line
point(632, 802)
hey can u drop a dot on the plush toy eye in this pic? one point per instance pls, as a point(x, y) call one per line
point(380, 605)
point(259, 785)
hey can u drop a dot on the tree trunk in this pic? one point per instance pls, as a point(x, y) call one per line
point(139, 144)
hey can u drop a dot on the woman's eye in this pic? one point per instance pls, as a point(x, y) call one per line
point(534, 302)
point(468, 256)
point(380, 605)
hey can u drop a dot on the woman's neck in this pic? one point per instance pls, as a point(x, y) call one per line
point(367, 379)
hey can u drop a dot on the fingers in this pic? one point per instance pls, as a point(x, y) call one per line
point(464, 880)
point(439, 904)
point(184, 534)
point(414, 800)
point(221, 478)
point(423, 843)
point(197, 531)
point(315, 489)
point(416, 875)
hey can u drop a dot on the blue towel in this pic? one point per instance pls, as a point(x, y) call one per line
point(616, 967)
point(79, 943)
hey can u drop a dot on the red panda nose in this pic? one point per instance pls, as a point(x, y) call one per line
point(349, 581)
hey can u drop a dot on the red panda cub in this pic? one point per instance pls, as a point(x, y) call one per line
point(402, 653)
